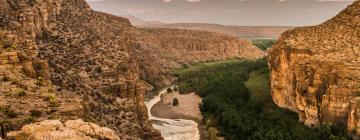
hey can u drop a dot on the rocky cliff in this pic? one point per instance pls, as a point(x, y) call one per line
point(172, 48)
point(62, 60)
point(315, 71)
point(56, 130)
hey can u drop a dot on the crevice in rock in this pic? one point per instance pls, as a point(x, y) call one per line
point(2, 130)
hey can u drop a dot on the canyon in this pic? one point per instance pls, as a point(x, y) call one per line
point(315, 71)
point(60, 60)
point(69, 71)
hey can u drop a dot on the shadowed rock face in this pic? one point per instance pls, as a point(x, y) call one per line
point(95, 64)
point(315, 71)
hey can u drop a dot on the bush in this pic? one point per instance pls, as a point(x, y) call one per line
point(21, 92)
point(14, 81)
point(263, 44)
point(11, 114)
point(6, 79)
point(40, 82)
point(52, 100)
point(175, 102)
point(169, 90)
point(36, 113)
point(98, 69)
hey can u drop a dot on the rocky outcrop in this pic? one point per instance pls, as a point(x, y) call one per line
point(90, 64)
point(26, 93)
point(55, 130)
point(173, 48)
point(315, 71)
point(72, 62)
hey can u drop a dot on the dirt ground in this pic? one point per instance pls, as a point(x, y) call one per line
point(188, 107)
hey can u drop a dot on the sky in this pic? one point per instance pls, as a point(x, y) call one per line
point(226, 12)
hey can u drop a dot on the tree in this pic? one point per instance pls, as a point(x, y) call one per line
point(175, 102)
point(169, 90)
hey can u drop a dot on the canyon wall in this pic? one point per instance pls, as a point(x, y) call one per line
point(315, 71)
point(62, 60)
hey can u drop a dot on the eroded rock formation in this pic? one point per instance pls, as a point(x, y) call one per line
point(315, 71)
point(55, 130)
point(67, 61)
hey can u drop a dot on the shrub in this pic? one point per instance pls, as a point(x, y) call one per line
point(40, 82)
point(98, 69)
point(14, 81)
point(11, 114)
point(52, 100)
point(6, 79)
point(35, 113)
point(21, 92)
point(175, 102)
point(169, 90)
point(10, 47)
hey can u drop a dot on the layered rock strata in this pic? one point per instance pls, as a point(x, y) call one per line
point(315, 71)
point(56, 130)
point(79, 63)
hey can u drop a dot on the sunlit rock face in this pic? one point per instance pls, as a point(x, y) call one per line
point(56, 130)
point(94, 65)
point(315, 71)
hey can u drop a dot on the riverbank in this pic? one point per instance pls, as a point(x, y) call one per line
point(188, 109)
point(172, 129)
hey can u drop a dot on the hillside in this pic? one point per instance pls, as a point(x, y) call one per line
point(315, 71)
point(271, 32)
point(62, 60)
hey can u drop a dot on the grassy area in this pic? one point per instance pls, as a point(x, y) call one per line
point(199, 69)
point(263, 44)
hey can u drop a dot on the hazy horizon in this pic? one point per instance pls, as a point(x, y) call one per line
point(226, 12)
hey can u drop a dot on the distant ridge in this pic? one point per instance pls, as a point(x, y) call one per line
point(268, 32)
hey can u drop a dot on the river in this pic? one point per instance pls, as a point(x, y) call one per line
point(172, 129)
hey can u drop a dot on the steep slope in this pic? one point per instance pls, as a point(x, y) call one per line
point(315, 71)
point(79, 63)
point(272, 32)
point(172, 48)
point(75, 41)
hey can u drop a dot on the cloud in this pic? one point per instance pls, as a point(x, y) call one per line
point(94, 0)
point(186, 0)
point(334, 0)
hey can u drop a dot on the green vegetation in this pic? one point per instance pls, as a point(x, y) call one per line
point(263, 44)
point(237, 101)
point(21, 92)
point(8, 112)
point(14, 81)
point(175, 102)
point(52, 100)
point(10, 47)
point(40, 82)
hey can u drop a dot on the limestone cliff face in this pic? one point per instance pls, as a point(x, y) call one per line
point(172, 48)
point(73, 62)
point(56, 130)
point(315, 71)
point(46, 43)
